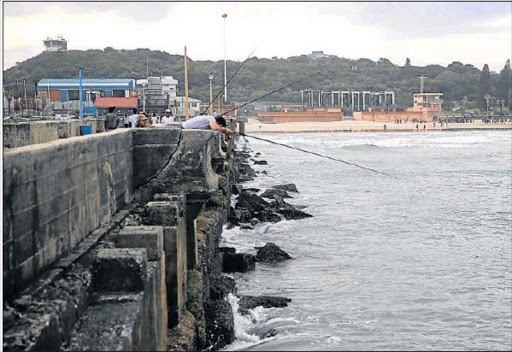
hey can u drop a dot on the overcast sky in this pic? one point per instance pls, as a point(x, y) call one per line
point(426, 32)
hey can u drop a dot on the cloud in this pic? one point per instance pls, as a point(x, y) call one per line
point(426, 32)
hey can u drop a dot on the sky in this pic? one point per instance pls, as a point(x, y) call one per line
point(474, 33)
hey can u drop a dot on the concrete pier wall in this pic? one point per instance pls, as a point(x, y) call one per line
point(55, 194)
point(17, 135)
point(111, 241)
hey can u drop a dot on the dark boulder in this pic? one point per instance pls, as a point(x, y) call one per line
point(236, 189)
point(252, 202)
point(271, 253)
point(227, 250)
point(220, 326)
point(294, 214)
point(271, 193)
point(238, 262)
point(257, 154)
point(260, 162)
point(250, 302)
point(290, 187)
point(268, 216)
point(221, 286)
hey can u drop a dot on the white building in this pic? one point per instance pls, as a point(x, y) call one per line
point(169, 86)
point(58, 44)
point(317, 55)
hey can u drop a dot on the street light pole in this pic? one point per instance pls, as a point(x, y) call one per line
point(225, 74)
point(210, 77)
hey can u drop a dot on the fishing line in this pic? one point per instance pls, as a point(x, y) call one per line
point(275, 91)
point(229, 80)
point(320, 155)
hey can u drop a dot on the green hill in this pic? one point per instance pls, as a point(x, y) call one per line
point(259, 76)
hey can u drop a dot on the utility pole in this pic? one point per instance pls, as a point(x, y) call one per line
point(210, 77)
point(186, 86)
point(80, 92)
point(225, 74)
point(25, 93)
point(147, 67)
point(35, 96)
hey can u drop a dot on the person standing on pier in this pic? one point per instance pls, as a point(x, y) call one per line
point(168, 118)
point(112, 119)
point(132, 119)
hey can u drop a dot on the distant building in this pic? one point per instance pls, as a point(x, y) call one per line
point(58, 44)
point(65, 93)
point(122, 105)
point(160, 93)
point(428, 103)
point(317, 55)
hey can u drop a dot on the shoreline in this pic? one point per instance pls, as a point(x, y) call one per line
point(352, 126)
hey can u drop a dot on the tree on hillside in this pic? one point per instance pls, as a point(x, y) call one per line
point(505, 85)
point(484, 85)
point(407, 63)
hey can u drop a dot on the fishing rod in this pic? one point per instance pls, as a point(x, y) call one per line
point(229, 80)
point(320, 155)
point(275, 91)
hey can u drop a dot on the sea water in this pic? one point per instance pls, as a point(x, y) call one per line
point(418, 263)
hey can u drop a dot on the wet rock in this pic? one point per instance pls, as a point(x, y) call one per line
point(264, 172)
point(268, 216)
point(260, 162)
point(290, 187)
point(252, 202)
point(227, 250)
point(238, 262)
point(245, 226)
point(257, 154)
point(236, 189)
point(254, 190)
point(220, 327)
point(237, 216)
point(271, 253)
point(250, 302)
point(272, 193)
point(221, 286)
point(294, 214)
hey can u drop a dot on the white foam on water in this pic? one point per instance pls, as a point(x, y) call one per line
point(243, 324)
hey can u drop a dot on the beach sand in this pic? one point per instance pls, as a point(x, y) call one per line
point(253, 125)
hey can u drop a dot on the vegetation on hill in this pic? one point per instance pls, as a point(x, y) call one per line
point(464, 86)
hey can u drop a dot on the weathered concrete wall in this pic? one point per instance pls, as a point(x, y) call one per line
point(56, 193)
point(35, 132)
point(70, 128)
point(152, 269)
point(27, 133)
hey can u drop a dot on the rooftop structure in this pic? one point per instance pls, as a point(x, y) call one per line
point(57, 44)
point(317, 55)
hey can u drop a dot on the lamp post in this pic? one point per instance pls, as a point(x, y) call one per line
point(210, 77)
point(225, 75)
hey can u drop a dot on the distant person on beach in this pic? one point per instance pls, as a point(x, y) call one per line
point(112, 119)
point(132, 119)
point(168, 118)
point(208, 122)
point(424, 128)
point(417, 127)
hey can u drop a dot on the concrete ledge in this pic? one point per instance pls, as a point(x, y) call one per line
point(148, 237)
point(119, 269)
point(163, 213)
point(167, 136)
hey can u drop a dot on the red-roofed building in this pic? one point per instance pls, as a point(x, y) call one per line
point(122, 105)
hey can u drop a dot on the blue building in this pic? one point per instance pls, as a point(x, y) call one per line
point(64, 90)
